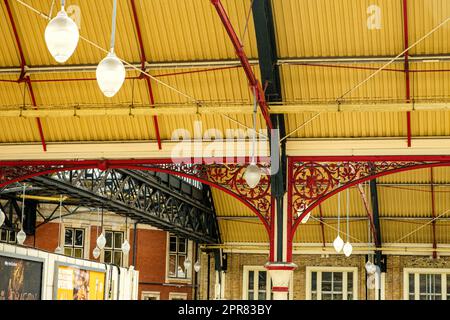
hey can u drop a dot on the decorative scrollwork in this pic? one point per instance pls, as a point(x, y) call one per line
point(313, 181)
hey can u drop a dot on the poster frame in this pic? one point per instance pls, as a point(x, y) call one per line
point(29, 258)
point(65, 264)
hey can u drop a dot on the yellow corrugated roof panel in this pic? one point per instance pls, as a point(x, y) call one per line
point(311, 28)
point(424, 15)
point(251, 230)
point(9, 55)
point(192, 30)
point(430, 83)
point(226, 205)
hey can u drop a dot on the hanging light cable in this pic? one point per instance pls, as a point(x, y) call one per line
point(58, 249)
point(126, 245)
point(21, 236)
point(62, 36)
point(348, 248)
point(338, 243)
point(111, 71)
point(96, 251)
point(252, 174)
point(101, 240)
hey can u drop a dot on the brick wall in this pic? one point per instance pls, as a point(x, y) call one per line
point(45, 237)
point(393, 282)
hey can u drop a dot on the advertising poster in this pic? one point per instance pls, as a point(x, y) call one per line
point(74, 283)
point(20, 279)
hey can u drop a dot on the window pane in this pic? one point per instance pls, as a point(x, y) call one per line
point(108, 256)
point(349, 296)
point(337, 296)
point(109, 241)
point(326, 276)
point(314, 296)
point(181, 271)
point(78, 253)
point(79, 235)
point(437, 283)
point(118, 258)
point(326, 296)
point(68, 251)
point(251, 295)
point(118, 240)
point(3, 235)
point(326, 285)
point(349, 283)
point(337, 276)
point(262, 275)
point(182, 245)
point(411, 284)
point(173, 244)
point(251, 279)
point(12, 236)
point(313, 281)
point(68, 237)
point(172, 265)
point(262, 295)
point(448, 287)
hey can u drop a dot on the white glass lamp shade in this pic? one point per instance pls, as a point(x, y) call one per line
point(101, 241)
point(96, 253)
point(21, 236)
point(61, 37)
point(126, 247)
point(197, 266)
point(348, 248)
point(58, 250)
point(371, 268)
point(338, 244)
point(2, 217)
point(110, 75)
point(252, 175)
point(187, 264)
point(306, 218)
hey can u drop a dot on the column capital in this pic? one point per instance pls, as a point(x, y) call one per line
point(280, 273)
point(280, 266)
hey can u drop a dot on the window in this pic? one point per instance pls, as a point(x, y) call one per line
point(325, 283)
point(7, 236)
point(74, 242)
point(178, 252)
point(113, 247)
point(150, 295)
point(426, 284)
point(257, 284)
point(177, 296)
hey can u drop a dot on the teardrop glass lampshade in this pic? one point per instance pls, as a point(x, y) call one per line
point(61, 37)
point(187, 264)
point(306, 218)
point(348, 248)
point(110, 75)
point(338, 244)
point(370, 267)
point(21, 236)
point(126, 247)
point(101, 241)
point(252, 175)
point(96, 253)
point(197, 266)
point(2, 217)
point(58, 250)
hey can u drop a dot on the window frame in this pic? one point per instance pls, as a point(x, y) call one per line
point(178, 296)
point(443, 272)
point(256, 270)
point(82, 247)
point(189, 250)
point(8, 236)
point(113, 250)
point(320, 270)
point(154, 294)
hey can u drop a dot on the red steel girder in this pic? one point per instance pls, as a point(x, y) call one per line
point(253, 81)
point(23, 78)
point(143, 61)
point(407, 78)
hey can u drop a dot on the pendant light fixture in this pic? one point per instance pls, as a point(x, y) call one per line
point(348, 248)
point(126, 245)
point(2, 217)
point(111, 71)
point(197, 266)
point(58, 249)
point(252, 174)
point(101, 240)
point(96, 252)
point(61, 36)
point(21, 236)
point(338, 243)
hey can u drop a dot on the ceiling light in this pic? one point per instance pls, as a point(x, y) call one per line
point(252, 175)
point(111, 71)
point(348, 248)
point(197, 266)
point(61, 36)
point(126, 247)
point(96, 253)
point(21, 236)
point(338, 244)
point(371, 268)
point(101, 241)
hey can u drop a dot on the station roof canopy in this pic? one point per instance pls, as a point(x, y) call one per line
point(324, 49)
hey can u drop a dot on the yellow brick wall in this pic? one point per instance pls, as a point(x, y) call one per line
point(393, 284)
